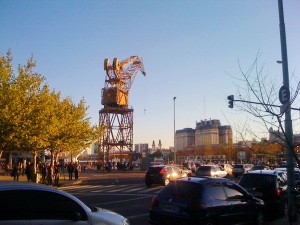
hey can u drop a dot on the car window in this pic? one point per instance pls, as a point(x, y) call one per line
point(181, 190)
point(13, 206)
point(238, 166)
point(55, 206)
point(215, 191)
point(233, 191)
point(258, 180)
point(154, 169)
point(39, 205)
point(205, 168)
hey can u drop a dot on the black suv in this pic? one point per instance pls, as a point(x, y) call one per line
point(205, 200)
point(161, 174)
point(268, 185)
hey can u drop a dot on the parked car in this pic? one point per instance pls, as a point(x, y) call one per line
point(239, 169)
point(185, 172)
point(268, 185)
point(161, 174)
point(205, 200)
point(31, 203)
point(260, 167)
point(211, 171)
point(227, 167)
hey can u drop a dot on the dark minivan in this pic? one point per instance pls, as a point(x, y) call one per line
point(268, 185)
point(161, 174)
point(205, 200)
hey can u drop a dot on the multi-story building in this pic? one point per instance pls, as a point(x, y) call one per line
point(206, 133)
point(140, 148)
point(184, 138)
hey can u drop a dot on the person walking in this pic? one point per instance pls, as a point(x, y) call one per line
point(44, 173)
point(28, 171)
point(56, 173)
point(70, 168)
point(16, 171)
point(77, 170)
point(7, 168)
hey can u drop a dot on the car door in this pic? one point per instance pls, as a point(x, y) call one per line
point(241, 210)
point(217, 209)
point(53, 208)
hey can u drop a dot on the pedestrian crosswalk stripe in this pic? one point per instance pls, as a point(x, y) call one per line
point(127, 188)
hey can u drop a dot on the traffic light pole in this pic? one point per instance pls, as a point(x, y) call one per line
point(257, 103)
point(288, 121)
point(284, 98)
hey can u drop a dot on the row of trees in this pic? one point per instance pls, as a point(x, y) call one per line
point(35, 118)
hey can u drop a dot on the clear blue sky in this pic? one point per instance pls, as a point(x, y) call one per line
point(188, 47)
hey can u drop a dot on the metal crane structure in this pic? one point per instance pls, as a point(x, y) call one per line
point(116, 118)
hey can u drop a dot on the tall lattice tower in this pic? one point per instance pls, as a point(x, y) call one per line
point(116, 118)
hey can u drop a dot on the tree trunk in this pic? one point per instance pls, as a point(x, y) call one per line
point(34, 162)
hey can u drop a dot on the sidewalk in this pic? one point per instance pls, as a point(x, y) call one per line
point(63, 181)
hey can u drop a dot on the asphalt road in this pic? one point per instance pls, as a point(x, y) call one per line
point(124, 193)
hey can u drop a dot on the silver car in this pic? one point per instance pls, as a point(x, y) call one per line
point(211, 171)
point(30, 203)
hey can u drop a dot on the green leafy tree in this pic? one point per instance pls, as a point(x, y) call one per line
point(21, 107)
point(34, 118)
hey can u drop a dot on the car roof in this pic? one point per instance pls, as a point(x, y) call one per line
point(285, 169)
point(207, 166)
point(158, 166)
point(200, 179)
point(20, 185)
point(267, 172)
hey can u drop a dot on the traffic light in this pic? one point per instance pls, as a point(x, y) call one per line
point(230, 102)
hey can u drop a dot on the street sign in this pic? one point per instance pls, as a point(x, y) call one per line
point(284, 95)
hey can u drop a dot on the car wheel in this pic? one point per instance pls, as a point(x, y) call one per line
point(167, 181)
point(148, 184)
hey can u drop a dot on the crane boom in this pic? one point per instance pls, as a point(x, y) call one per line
point(119, 79)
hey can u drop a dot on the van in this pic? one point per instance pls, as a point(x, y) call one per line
point(239, 169)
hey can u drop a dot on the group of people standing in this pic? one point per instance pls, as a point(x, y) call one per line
point(49, 174)
point(21, 169)
point(73, 168)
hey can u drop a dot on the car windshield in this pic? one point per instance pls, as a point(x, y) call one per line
point(238, 166)
point(181, 190)
point(259, 167)
point(257, 180)
point(154, 169)
point(205, 168)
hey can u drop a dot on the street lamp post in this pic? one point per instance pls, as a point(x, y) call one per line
point(175, 161)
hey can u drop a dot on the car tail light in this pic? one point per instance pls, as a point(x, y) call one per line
point(154, 202)
point(278, 191)
point(162, 171)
